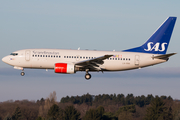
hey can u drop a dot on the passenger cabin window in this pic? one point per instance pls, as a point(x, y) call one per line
point(14, 54)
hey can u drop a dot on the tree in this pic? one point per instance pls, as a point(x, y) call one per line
point(126, 112)
point(30, 112)
point(149, 98)
point(140, 101)
point(109, 116)
point(17, 114)
point(40, 118)
point(157, 111)
point(169, 115)
point(129, 99)
point(54, 112)
point(70, 113)
point(120, 98)
point(94, 114)
point(51, 100)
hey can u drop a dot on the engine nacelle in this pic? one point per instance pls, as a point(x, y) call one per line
point(64, 68)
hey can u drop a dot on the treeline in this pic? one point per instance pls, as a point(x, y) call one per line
point(115, 99)
point(90, 107)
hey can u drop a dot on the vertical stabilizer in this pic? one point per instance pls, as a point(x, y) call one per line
point(159, 41)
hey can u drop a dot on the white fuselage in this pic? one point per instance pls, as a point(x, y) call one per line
point(46, 59)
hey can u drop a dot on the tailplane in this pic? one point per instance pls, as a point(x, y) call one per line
point(159, 41)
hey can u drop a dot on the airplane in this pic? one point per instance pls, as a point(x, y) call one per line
point(66, 61)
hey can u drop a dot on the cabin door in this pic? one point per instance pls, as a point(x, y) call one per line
point(137, 58)
point(27, 55)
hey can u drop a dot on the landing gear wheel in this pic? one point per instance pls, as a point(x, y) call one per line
point(88, 76)
point(22, 73)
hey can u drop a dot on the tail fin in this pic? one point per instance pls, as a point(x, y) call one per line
point(159, 41)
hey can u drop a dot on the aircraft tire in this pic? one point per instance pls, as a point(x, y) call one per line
point(22, 73)
point(88, 76)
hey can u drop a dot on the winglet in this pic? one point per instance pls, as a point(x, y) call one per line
point(159, 41)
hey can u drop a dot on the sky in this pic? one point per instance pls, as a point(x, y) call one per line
point(101, 25)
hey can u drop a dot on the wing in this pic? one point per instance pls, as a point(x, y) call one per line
point(93, 64)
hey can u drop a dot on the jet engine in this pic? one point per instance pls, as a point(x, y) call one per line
point(64, 68)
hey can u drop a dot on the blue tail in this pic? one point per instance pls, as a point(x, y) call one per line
point(159, 41)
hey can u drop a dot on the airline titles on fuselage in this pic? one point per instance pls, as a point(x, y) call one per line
point(45, 52)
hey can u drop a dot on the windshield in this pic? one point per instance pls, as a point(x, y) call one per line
point(14, 54)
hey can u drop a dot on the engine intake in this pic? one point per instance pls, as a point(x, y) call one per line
point(64, 68)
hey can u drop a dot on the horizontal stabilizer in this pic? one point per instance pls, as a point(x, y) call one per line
point(164, 56)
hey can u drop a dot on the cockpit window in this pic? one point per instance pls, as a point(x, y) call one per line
point(14, 54)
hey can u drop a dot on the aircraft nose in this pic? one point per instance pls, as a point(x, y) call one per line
point(5, 59)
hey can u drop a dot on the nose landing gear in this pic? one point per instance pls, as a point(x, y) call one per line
point(87, 76)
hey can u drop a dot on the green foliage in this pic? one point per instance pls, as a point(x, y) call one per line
point(148, 99)
point(17, 114)
point(78, 100)
point(132, 108)
point(127, 108)
point(141, 101)
point(40, 118)
point(130, 99)
point(95, 114)
point(70, 113)
point(100, 110)
point(91, 114)
point(158, 111)
point(126, 112)
point(120, 98)
point(54, 112)
point(109, 116)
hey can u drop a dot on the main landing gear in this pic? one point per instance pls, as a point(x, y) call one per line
point(87, 76)
point(22, 73)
